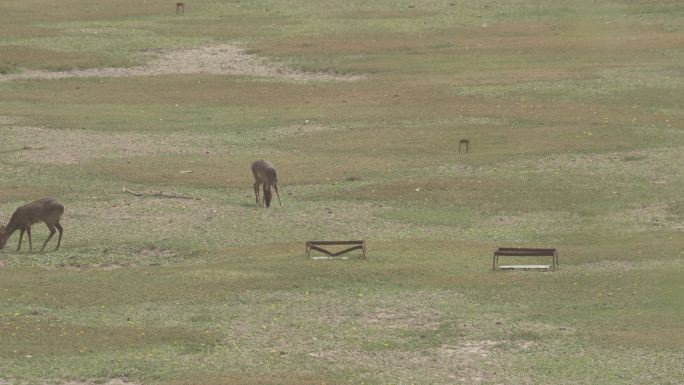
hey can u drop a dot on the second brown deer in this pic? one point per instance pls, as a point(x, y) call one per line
point(47, 210)
point(265, 174)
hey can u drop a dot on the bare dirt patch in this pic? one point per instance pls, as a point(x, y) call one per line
point(154, 251)
point(446, 364)
point(7, 120)
point(660, 216)
point(300, 130)
point(219, 59)
point(115, 381)
point(392, 319)
point(482, 348)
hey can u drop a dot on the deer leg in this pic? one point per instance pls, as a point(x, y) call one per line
point(263, 194)
point(21, 236)
point(59, 240)
point(275, 186)
point(52, 232)
point(28, 232)
point(256, 193)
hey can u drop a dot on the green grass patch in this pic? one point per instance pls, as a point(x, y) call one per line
point(575, 125)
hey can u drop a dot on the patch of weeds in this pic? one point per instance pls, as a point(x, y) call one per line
point(102, 258)
point(8, 68)
point(677, 208)
point(525, 335)
point(633, 158)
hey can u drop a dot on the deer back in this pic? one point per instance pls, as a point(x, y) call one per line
point(265, 171)
point(47, 210)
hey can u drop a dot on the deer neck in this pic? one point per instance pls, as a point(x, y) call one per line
point(10, 228)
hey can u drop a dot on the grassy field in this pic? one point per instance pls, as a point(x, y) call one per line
point(575, 118)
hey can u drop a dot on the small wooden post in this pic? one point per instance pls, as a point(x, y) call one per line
point(180, 9)
point(463, 141)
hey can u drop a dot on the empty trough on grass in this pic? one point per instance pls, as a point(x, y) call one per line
point(323, 247)
point(525, 252)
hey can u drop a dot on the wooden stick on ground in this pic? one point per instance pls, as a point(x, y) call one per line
point(159, 194)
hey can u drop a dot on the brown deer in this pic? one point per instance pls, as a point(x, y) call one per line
point(265, 173)
point(47, 210)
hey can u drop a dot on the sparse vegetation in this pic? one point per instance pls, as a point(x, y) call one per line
point(580, 99)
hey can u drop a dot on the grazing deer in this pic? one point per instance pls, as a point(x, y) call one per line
point(47, 210)
point(266, 174)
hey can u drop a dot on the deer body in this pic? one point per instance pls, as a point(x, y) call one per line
point(265, 174)
point(47, 210)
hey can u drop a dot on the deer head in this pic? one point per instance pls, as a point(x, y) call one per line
point(267, 197)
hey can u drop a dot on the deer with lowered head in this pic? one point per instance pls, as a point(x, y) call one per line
point(47, 210)
point(265, 174)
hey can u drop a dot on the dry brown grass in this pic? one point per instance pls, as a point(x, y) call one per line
point(77, 10)
point(22, 57)
point(14, 194)
point(68, 147)
point(518, 38)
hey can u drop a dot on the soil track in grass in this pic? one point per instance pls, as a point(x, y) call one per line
point(222, 59)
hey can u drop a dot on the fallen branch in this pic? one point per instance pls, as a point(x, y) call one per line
point(159, 194)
